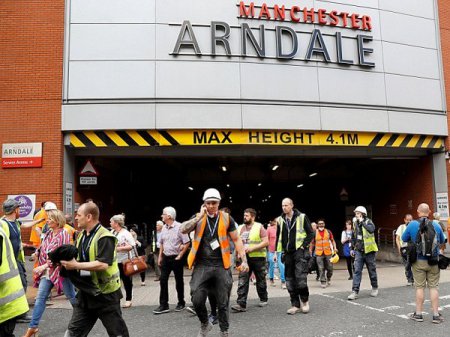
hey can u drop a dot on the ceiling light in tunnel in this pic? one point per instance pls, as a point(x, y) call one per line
point(228, 185)
point(275, 167)
point(259, 184)
point(300, 185)
point(313, 174)
point(224, 168)
point(190, 188)
point(250, 197)
point(269, 196)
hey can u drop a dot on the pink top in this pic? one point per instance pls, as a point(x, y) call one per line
point(272, 234)
point(49, 244)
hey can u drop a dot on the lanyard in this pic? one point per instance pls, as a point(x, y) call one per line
point(211, 231)
point(13, 226)
point(289, 224)
point(91, 237)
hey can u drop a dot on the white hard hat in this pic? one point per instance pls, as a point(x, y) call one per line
point(361, 209)
point(50, 206)
point(211, 194)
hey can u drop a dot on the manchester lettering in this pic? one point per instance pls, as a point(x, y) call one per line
point(297, 14)
point(290, 43)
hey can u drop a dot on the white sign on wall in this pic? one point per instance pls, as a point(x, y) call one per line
point(27, 205)
point(69, 198)
point(442, 205)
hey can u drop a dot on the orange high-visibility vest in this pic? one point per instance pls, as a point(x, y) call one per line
point(323, 244)
point(224, 222)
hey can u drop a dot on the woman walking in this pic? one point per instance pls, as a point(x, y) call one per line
point(47, 275)
point(125, 245)
point(346, 239)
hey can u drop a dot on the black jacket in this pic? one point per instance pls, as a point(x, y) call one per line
point(290, 246)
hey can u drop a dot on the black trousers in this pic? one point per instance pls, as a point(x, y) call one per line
point(127, 283)
point(296, 273)
point(168, 265)
point(257, 265)
point(349, 260)
point(7, 328)
point(218, 280)
point(83, 320)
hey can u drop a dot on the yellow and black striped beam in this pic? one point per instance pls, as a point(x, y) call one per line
point(128, 138)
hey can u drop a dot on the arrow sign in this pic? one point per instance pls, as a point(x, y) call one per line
point(88, 170)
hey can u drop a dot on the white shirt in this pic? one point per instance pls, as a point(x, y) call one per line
point(124, 236)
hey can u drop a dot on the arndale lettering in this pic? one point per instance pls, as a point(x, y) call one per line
point(286, 38)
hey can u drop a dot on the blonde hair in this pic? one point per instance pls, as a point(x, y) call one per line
point(57, 216)
point(119, 219)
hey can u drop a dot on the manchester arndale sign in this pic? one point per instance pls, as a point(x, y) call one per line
point(253, 40)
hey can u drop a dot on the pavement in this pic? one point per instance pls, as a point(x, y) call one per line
point(331, 313)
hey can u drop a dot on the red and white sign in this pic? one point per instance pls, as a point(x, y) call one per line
point(88, 170)
point(22, 155)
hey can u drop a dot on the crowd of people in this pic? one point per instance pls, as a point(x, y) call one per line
point(91, 275)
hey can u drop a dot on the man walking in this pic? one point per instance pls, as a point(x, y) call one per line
point(13, 302)
point(12, 228)
point(255, 240)
point(294, 234)
point(96, 275)
point(325, 247)
point(425, 272)
point(173, 245)
point(210, 253)
point(364, 251)
point(402, 248)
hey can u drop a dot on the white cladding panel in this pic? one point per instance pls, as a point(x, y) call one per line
point(121, 51)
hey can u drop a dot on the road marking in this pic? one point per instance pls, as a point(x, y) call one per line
point(364, 306)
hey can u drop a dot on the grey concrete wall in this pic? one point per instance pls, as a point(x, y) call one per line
point(120, 73)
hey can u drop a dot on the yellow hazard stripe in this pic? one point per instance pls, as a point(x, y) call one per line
point(426, 142)
point(116, 138)
point(146, 138)
point(137, 138)
point(95, 139)
point(75, 142)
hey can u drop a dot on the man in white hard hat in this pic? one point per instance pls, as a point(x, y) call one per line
point(210, 254)
point(364, 251)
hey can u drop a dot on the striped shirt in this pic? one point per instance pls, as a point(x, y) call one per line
point(172, 238)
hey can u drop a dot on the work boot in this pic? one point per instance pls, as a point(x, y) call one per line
point(305, 307)
point(293, 310)
point(204, 329)
point(238, 308)
point(352, 296)
point(374, 292)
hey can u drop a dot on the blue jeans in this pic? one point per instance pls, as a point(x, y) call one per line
point(272, 266)
point(370, 262)
point(45, 287)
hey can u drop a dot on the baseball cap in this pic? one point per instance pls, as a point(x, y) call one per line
point(9, 205)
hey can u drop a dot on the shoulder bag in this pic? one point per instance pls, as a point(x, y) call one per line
point(134, 265)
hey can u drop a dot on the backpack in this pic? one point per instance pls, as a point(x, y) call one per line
point(426, 241)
